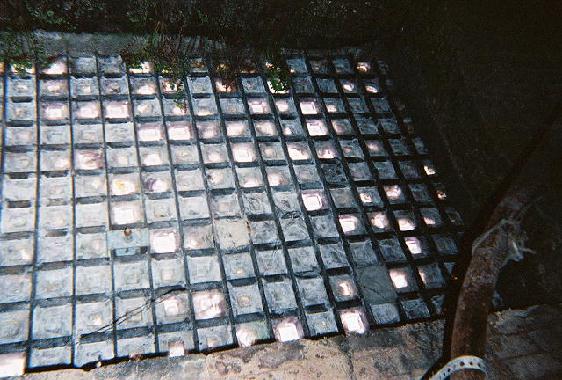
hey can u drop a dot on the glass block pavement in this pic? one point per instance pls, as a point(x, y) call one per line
point(136, 223)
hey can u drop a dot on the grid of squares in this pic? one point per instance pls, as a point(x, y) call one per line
point(134, 221)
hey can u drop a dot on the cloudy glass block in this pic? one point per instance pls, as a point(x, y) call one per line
point(154, 156)
point(16, 252)
point(220, 178)
point(256, 203)
point(175, 108)
point(245, 299)
point(232, 106)
point(238, 266)
point(379, 221)
point(414, 309)
point(150, 132)
point(83, 65)
point(389, 126)
point(306, 174)
point(84, 87)
point(363, 253)
point(164, 240)
point(333, 105)
point(354, 320)
point(93, 316)
point(200, 85)
point(380, 105)
point(431, 276)
point(263, 232)
point(294, 229)
point(394, 194)
point(316, 127)
point(143, 345)
point(172, 308)
point(17, 290)
point(21, 87)
point(342, 66)
point(351, 225)
point(258, 106)
point(114, 86)
point(324, 226)
point(93, 352)
point(185, 155)
point(367, 126)
point(333, 256)
point(406, 220)
point(54, 87)
point(247, 334)
point(226, 85)
point(194, 207)
point(55, 247)
point(303, 85)
point(203, 269)
point(209, 304)
point(55, 160)
point(147, 108)
point(232, 233)
point(343, 287)
point(409, 170)
point(225, 205)
point(291, 127)
point(21, 111)
point(91, 214)
point(20, 136)
point(19, 162)
point(137, 312)
point(131, 275)
point(431, 217)
point(303, 260)
point(265, 128)
point(124, 184)
point(189, 180)
point(54, 283)
point(119, 133)
point(278, 176)
point(86, 110)
point(160, 210)
point(93, 279)
point(214, 337)
point(252, 84)
point(399, 147)
point(244, 152)
point(279, 296)
point(402, 279)
point(321, 323)
point(360, 171)
point(299, 151)
point(179, 131)
point(119, 158)
point(285, 106)
point(351, 149)
point(91, 246)
point(326, 150)
point(271, 262)
point(168, 272)
point(18, 219)
point(208, 130)
point(357, 105)
point(52, 321)
point(214, 153)
point(143, 86)
point(391, 250)
point(90, 186)
point(116, 109)
point(19, 189)
point(385, 170)
point(14, 326)
point(198, 237)
point(237, 128)
point(87, 133)
point(312, 291)
point(249, 177)
point(127, 212)
point(204, 106)
point(326, 85)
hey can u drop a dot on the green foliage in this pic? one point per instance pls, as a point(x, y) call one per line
point(21, 49)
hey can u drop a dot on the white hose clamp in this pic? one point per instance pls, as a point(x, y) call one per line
point(460, 363)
